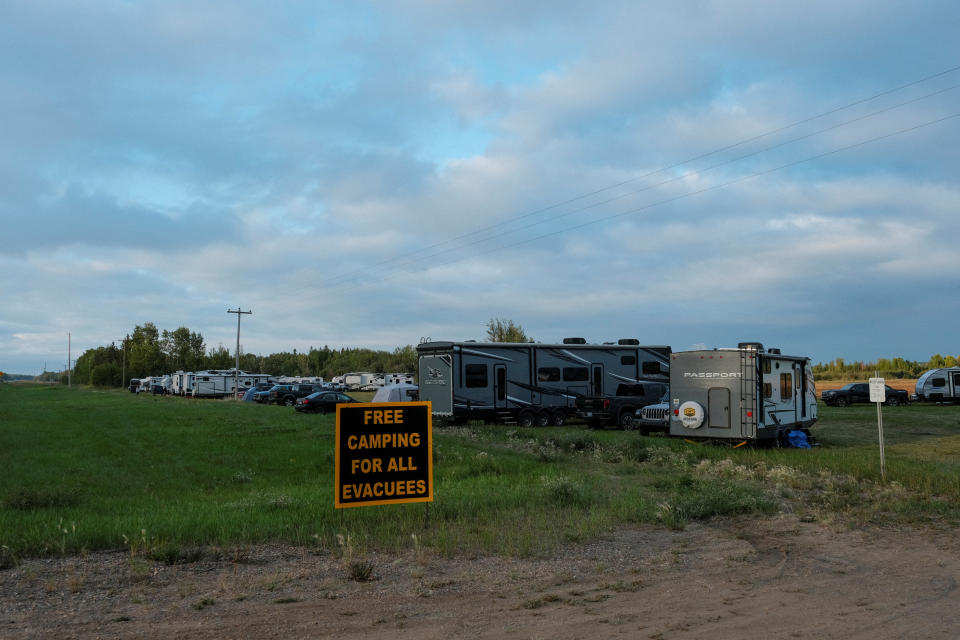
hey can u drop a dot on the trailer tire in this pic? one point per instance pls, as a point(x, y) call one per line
point(526, 419)
point(842, 402)
point(559, 418)
point(543, 419)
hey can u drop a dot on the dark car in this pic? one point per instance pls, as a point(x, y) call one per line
point(860, 392)
point(619, 409)
point(288, 394)
point(322, 401)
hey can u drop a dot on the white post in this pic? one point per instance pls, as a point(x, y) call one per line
point(878, 394)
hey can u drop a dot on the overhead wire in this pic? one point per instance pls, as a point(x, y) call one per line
point(680, 197)
point(354, 274)
point(662, 183)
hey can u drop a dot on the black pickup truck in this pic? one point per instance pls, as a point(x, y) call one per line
point(860, 392)
point(287, 394)
point(620, 409)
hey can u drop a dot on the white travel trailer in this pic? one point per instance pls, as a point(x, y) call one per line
point(300, 380)
point(746, 393)
point(182, 383)
point(397, 378)
point(220, 383)
point(527, 383)
point(355, 380)
point(939, 385)
point(155, 384)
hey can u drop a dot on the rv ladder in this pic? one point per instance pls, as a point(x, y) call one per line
point(749, 362)
point(506, 417)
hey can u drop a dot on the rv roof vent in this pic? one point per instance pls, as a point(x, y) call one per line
point(756, 346)
point(628, 341)
point(774, 351)
point(574, 341)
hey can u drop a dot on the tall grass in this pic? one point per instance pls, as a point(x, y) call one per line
point(85, 470)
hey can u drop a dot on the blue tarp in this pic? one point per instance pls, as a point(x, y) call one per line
point(798, 440)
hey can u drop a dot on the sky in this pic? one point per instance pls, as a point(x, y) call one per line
point(372, 174)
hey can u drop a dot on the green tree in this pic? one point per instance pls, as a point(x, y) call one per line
point(144, 356)
point(182, 349)
point(503, 330)
point(220, 358)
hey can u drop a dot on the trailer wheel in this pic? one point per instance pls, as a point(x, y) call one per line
point(526, 419)
point(543, 419)
point(559, 418)
point(841, 402)
point(626, 420)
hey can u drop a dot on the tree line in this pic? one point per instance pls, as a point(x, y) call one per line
point(838, 369)
point(147, 351)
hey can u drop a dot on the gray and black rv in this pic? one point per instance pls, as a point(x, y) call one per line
point(527, 383)
point(939, 385)
point(746, 393)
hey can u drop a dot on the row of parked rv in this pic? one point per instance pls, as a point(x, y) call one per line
point(744, 393)
point(229, 382)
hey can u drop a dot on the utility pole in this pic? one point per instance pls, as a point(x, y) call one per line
point(236, 371)
point(123, 366)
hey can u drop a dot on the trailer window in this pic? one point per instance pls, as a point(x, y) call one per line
point(766, 366)
point(767, 390)
point(652, 367)
point(786, 386)
point(628, 360)
point(939, 382)
point(575, 374)
point(476, 376)
point(548, 374)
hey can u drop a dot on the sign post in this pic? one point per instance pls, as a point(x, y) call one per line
point(384, 454)
point(878, 394)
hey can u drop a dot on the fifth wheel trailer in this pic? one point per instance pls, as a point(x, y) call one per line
point(746, 393)
point(527, 383)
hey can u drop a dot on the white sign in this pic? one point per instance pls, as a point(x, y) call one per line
point(878, 390)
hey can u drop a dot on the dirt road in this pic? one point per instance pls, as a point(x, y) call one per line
point(743, 578)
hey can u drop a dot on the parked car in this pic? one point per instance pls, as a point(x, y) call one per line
point(287, 394)
point(620, 409)
point(322, 402)
point(654, 417)
point(860, 392)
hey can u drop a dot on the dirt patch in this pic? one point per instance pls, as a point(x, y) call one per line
point(741, 578)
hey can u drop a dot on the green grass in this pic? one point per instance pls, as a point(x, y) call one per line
point(174, 479)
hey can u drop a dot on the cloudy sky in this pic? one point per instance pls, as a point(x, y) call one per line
point(372, 173)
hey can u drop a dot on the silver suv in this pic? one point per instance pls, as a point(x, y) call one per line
point(654, 417)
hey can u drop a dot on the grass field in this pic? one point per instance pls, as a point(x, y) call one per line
point(170, 478)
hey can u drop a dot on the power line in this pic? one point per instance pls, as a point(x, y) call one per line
point(352, 275)
point(650, 187)
point(688, 194)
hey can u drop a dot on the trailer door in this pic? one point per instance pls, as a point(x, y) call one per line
point(500, 386)
point(436, 382)
point(955, 377)
point(597, 380)
point(718, 408)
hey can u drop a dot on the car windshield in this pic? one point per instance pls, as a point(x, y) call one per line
point(848, 387)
